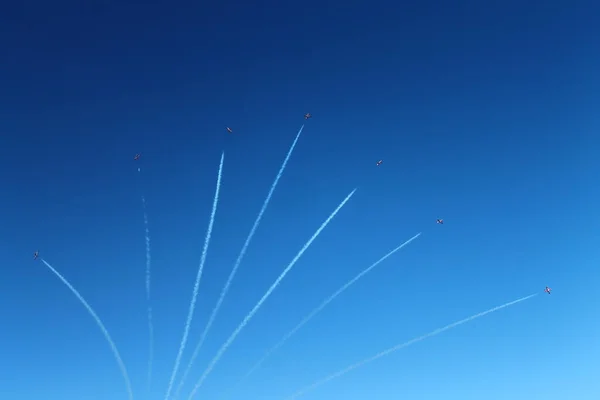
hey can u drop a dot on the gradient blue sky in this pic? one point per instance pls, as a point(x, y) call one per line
point(485, 114)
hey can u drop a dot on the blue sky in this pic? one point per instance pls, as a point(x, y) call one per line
point(484, 115)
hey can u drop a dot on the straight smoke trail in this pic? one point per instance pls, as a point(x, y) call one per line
point(237, 263)
point(150, 324)
point(188, 322)
point(403, 345)
point(324, 304)
point(248, 317)
point(148, 259)
point(100, 325)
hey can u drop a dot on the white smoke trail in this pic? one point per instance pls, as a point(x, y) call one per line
point(100, 325)
point(225, 289)
point(150, 325)
point(197, 283)
point(248, 317)
point(403, 345)
point(323, 305)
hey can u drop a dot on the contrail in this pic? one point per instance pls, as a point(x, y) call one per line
point(401, 346)
point(248, 317)
point(323, 305)
point(197, 283)
point(150, 325)
point(225, 289)
point(100, 325)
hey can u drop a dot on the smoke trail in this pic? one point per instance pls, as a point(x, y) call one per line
point(323, 305)
point(197, 283)
point(225, 289)
point(248, 317)
point(100, 325)
point(405, 344)
point(148, 259)
point(150, 325)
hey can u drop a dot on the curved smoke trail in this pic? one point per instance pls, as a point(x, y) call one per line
point(237, 263)
point(403, 345)
point(188, 322)
point(323, 305)
point(113, 347)
point(248, 317)
point(150, 324)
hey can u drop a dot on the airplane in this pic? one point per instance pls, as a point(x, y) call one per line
point(440, 221)
point(548, 290)
point(229, 130)
point(137, 157)
point(379, 162)
point(35, 255)
point(307, 116)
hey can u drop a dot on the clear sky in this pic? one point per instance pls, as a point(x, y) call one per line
point(485, 114)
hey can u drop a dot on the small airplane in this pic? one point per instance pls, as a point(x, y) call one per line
point(379, 162)
point(307, 116)
point(229, 130)
point(137, 157)
point(35, 255)
point(440, 221)
point(548, 290)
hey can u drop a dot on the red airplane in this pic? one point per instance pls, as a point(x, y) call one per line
point(440, 221)
point(379, 162)
point(229, 130)
point(35, 255)
point(548, 290)
point(137, 157)
point(307, 116)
